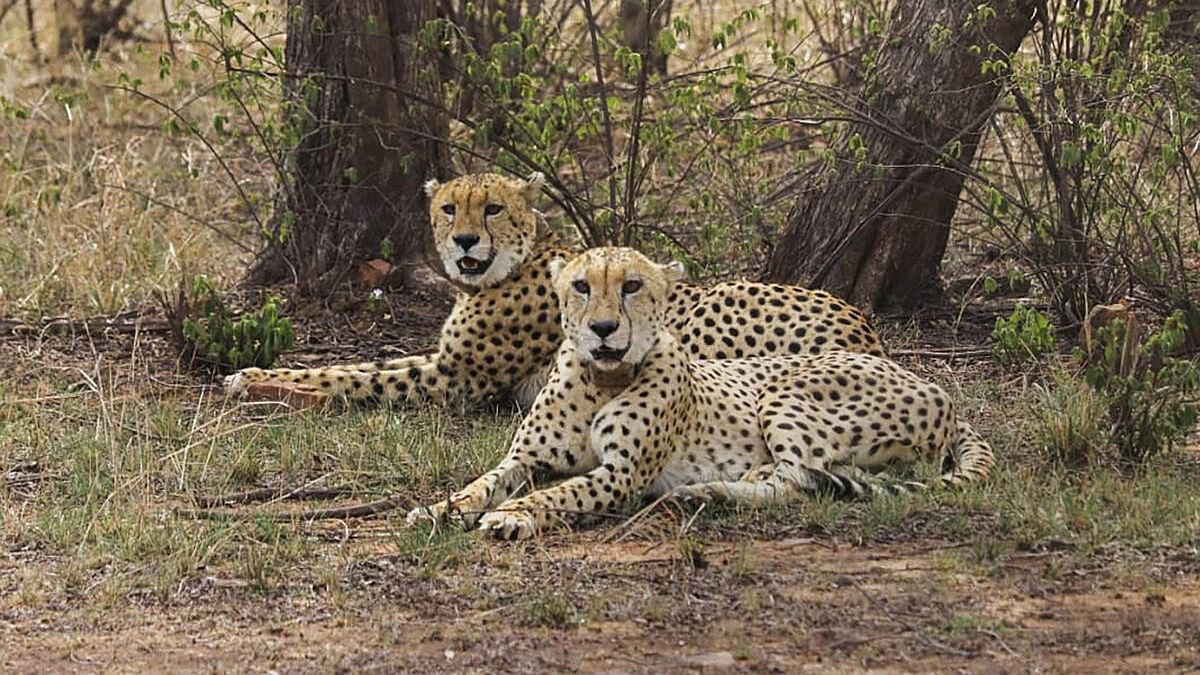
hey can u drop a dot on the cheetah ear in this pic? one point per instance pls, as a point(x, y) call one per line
point(431, 187)
point(532, 186)
point(675, 271)
point(556, 265)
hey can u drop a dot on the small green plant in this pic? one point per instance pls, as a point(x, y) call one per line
point(254, 339)
point(1150, 395)
point(1025, 334)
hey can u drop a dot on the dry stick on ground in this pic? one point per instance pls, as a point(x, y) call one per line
point(366, 509)
point(942, 353)
point(271, 495)
point(135, 324)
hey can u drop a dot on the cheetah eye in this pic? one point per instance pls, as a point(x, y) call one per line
point(581, 287)
point(448, 209)
point(492, 209)
point(630, 287)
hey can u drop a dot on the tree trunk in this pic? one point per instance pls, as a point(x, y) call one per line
point(875, 232)
point(368, 139)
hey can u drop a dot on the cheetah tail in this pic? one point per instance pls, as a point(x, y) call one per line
point(848, 483)
point(969, 460)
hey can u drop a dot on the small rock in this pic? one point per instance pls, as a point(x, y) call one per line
point(299, 396)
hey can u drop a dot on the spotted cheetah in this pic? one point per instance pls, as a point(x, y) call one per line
point(501, 336)
point(628, 413)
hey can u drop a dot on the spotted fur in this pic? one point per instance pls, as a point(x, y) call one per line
point(501, 336)
point(627, 413)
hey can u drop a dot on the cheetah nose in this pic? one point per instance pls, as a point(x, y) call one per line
point(603, 328)
point(466, 241)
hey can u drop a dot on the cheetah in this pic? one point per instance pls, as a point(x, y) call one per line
point(628, 413)
point(500, 339)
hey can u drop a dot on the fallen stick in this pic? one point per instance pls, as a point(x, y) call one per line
point(363, 510)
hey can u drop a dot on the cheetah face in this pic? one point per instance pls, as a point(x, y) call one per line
point(612, 302)
point(483, 225)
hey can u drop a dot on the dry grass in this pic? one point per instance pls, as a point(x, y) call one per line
point(100, 204)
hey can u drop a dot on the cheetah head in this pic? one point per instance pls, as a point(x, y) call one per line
point(613, 302)
point(483, 225)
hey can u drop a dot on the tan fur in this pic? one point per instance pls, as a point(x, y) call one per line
point(501, 336)
point(652, 421)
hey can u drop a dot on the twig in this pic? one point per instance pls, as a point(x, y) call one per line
point(270, 495)
point(175, 209)
point(1004, 645)
point(602, 95)
point(6, 8)
point(15, 327)
point(167, 26)
point(619, 532)
point(33, 44)
point(363, 510)
point(207, 144)
point(942, 353)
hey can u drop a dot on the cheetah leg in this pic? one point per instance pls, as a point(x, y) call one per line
point(803, 439)
point(535, 448)
point(624, 469)
point(423, 381)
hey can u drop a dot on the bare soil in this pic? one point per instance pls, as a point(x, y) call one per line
point(795, 604)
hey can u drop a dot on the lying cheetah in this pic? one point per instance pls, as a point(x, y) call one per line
point(627, 413)
point(501, 336)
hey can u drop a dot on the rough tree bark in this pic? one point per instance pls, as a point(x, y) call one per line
point(875, 232)
point(368, 137)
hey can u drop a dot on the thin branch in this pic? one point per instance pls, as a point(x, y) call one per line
point(175, 209)
point(33, 43)
point(6, 8)
point(610, 146)
point(196, 132)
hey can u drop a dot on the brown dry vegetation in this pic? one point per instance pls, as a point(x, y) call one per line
point(103, 438)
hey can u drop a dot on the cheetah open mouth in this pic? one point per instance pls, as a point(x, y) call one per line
point(470, 267)
point(608, 354)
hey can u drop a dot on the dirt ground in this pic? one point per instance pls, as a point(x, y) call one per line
point(797, 604)
point(749, 595)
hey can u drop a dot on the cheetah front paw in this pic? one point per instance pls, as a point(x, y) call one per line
point(435, 513)
point(509, 524)
point(695, 493)
point(238, 384)
point(462, 509)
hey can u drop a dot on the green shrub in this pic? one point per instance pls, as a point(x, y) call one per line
point(1150, 395)
point(1025, 334)
point(254, 339)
